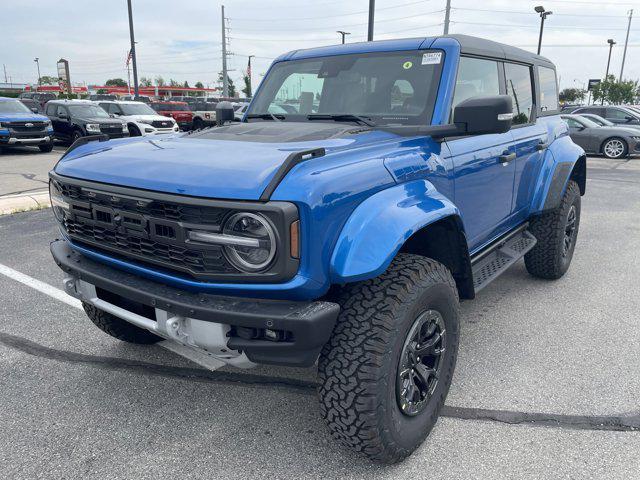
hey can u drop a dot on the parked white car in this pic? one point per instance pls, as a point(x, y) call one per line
point(140, 117)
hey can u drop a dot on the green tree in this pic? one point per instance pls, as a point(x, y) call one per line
point(48, 80)
point(199, 85)
point(186, 84)
point(232, 87)
point(616, 93)
point(160, 81)
point(174, 83)
point(572, 95)
point(145, 82)
point(247, 85)
point(102, 90)
point(115, 82)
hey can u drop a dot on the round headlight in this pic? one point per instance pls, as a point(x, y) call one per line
point(58, 204)
point(253, 227)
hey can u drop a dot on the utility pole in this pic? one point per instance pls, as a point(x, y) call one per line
point(250, 74)
point(372, 11)
point(611, 43)
point(543, 16)
point(225, 81)
point(343, 34)
point(447, 16)
point(5, 72)
point(134, 56)
point(626, 43)
point(37, 60)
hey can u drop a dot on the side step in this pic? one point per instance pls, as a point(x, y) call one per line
point(493, 263)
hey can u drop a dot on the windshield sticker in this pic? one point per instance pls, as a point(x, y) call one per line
point(431, 58)
point(407, 65)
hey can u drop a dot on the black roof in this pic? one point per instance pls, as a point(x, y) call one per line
point(489, 48)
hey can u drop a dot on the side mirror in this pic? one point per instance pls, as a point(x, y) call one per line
point(484, 115)
point(224, 113)
point(629, 119)
point(34, 110)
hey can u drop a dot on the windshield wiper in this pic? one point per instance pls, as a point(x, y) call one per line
point(266, 116)
point(346, 117)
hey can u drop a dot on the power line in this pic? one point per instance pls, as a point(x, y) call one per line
point(533, 13)
point(511, 25)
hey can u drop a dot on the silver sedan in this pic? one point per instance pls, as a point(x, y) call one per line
point(611, 141)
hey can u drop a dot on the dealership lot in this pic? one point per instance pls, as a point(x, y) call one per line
point(546, 383)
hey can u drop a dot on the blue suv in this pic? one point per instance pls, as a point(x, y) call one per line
point(19, 126)
point(344, 229)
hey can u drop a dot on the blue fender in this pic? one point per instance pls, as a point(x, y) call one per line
point(560, 160)
point(380, 225)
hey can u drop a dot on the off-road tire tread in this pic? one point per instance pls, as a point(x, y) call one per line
point(118, 328)
point(548, 228)
point(351, 369)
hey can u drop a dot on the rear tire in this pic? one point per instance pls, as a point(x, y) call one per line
point(365, 380)
point(615, 148)
point(118, 328)
point(556, 232)
point(76, 135)
point(198, 124)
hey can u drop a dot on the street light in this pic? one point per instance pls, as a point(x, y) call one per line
point(543, 16)
point(611, 43)
point(37, 60)
point(343, 34)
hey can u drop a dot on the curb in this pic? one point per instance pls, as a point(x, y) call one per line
point(22, 203)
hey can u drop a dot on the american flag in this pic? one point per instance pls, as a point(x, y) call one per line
point(129, 55)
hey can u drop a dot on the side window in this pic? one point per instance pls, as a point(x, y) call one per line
point(520, 89)
point(476, 78)
point(51, 110)
point(572, 123)
point(548, 89)
point(616, 114)
point(61, 111)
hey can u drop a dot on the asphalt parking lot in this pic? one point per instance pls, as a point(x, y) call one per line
point(546, 385)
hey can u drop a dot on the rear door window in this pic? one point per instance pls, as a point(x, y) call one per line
point(520, 89)
point(617, 114)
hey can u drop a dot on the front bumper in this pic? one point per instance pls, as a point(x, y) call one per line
point(305, 326)
point(34, 140)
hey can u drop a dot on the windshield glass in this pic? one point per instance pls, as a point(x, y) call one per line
point(87, 111)
point(389, 88)
point(13, 106)
point(171, 107)
point(137, 109)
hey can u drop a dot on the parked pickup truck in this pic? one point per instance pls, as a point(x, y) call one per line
point(19, 126)
point(411, 174)
point(204, 114)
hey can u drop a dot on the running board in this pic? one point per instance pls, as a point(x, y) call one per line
point(493, 263)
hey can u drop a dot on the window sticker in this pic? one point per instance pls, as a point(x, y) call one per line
point(431, 58)
point(407, 65)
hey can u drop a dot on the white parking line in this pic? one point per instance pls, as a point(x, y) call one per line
point(60, 295)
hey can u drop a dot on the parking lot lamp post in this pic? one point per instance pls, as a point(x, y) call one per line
point(134, 58)
point(372, 10)
point(543, 16)
point(343, 34)
point(37, 60)
point(611, 43)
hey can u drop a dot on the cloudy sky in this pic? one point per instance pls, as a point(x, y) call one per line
point(181, 40)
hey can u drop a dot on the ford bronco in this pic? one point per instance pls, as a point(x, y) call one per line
point(411, 174)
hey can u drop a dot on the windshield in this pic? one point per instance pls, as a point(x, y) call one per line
point(137, 109)
point(388, 88)
point(13, 106)
point(171, 107)
point(87, 111)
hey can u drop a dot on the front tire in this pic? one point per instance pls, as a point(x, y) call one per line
point(46, 148)
point(76, 135)
point(380, 389)
point(134, 131)
point(118, 328)
point(615, 148)
point(556, 232)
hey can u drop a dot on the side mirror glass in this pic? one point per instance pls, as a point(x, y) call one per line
point(484, 115)
point(224, 113)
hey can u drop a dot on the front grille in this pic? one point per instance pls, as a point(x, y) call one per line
point(161, 124)
point(27, 126)
point(109, 128)
point(151, 229)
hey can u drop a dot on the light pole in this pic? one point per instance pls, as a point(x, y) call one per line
point(249, 73)
point(134, 56)
point(343, 34)
point(37, 60)
point(543, 16)
point(611, 43)
point(372, 11)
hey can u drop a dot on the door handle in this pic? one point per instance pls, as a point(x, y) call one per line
point(541, 146)
point(507, 157)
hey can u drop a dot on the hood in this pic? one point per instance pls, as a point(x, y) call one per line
point(151, 118)
point(100, 120)
point(235, 162)
point(23, 117)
